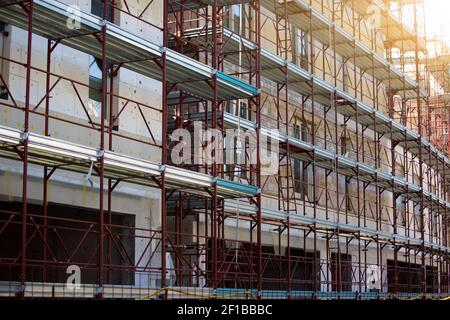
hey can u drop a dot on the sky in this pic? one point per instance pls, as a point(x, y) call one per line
point(437, 13)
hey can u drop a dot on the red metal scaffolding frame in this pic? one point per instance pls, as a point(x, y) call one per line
point(238, 264)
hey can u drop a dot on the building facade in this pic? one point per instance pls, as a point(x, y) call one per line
point(96, 97)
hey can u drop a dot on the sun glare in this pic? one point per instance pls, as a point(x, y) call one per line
point(437, 19)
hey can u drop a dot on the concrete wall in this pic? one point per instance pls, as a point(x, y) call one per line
point(143, 202)
point(70, 188)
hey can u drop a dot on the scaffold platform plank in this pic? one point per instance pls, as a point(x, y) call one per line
point(326, 159)
point(177, 5)
point(325, 225)
point(274, 68)
point(66, 155)
point(394, 31)
point(300, 14)
point(122, 47)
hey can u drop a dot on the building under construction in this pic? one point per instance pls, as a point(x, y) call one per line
point(94, 205)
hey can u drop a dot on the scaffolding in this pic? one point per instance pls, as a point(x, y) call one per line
point(358, 208)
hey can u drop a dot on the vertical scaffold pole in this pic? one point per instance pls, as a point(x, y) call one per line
point(23, 271)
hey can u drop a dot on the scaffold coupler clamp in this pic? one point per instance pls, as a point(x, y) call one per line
point(24, 136)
